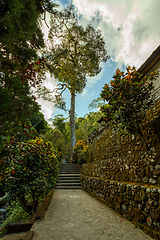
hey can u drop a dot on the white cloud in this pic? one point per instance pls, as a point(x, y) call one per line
point(47, 108)
point(130, 28)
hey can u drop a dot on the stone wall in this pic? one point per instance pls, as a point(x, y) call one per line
point(142, 168)
point(138, 203)
point(121, 172)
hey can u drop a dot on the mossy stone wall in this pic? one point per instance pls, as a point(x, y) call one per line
point(121, 172)
point(138, 203)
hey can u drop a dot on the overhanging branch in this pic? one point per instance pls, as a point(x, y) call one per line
point(61, 86)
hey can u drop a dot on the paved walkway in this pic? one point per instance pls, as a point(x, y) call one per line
point(75, 215)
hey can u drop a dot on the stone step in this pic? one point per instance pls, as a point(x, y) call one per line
point(69, 177)
point(69, 167)
point(69, 181)
point(69, 184)
point(68, 187)
point(69, 174)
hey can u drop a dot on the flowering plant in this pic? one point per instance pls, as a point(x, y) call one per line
point(82, 150)
point(128, 96)
point(30, 171)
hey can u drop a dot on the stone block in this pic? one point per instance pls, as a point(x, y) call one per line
point(155, 213)
point(149, 221)
point(157, 167)
point(124, 208)
point(117, 206)
point(139, 216)
point(152, 181)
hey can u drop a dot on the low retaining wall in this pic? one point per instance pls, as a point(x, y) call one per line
point(135, 202)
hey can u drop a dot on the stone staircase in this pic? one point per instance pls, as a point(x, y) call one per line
point(69, 177)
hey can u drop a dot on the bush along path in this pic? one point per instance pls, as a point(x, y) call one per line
point(22, 230)
point(30, 171)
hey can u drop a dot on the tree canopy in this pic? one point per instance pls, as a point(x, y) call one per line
point(20, 67)
point(59, 122)
point(87, 124)
point(76, 56)
point(79, 51)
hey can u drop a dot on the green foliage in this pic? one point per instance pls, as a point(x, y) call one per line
point(56, 137)
point(21, 34)
point(12, 130)
point(2, 192)
point(39, 123)
point(60, 102)
point(17, 33)
point(87, 124)
point(20, 40)
point(81, 161)
point(78, 53)
point(77, 56)
point(23, 133)
point(16, 100)
point(15, 213)
point(81, 149)
point(30, 171)
point(128, 96)
point(59, 122)
point(96, 103)
point(63, 125)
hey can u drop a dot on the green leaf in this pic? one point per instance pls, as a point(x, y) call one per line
point(8, 139)
point(1, 146)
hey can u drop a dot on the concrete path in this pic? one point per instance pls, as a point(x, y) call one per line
point(75, 215)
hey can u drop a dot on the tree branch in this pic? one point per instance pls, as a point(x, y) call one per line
point(44, 19)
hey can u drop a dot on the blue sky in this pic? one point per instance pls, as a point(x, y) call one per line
point(131, 32)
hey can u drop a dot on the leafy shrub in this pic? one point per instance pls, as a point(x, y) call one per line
point(30, 171)
point(15, 213)
point(81, 150)
point(57, 139)
point(128, 96)
point(81, 161)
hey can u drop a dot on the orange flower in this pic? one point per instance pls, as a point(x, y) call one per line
point(127, 77)
point(13, 171)
point(117, 71)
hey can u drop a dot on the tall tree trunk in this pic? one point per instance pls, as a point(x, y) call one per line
point(72, 125)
